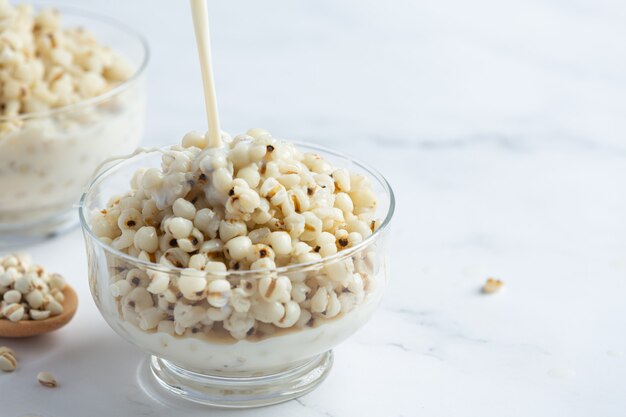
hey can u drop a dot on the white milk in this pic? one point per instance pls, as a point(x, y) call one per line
point(246, 357)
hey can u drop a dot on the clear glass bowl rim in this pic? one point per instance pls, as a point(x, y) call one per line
point(372, 172)
point(111, 22)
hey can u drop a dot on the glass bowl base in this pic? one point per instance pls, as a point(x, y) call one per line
point(241, 392)
point(16, 233)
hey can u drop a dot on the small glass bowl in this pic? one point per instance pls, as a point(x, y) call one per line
point(270, 364)
point(48, 158)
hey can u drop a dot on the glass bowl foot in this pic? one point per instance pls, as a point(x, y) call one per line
point(241, 392)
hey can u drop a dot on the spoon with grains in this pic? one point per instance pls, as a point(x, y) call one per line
point(33, 301)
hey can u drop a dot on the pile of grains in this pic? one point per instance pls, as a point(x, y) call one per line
point(44, 66)
point(256, 203)
point(28, 291)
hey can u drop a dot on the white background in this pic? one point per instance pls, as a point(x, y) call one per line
point(500, 125)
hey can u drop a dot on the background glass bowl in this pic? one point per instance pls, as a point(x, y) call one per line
point(271, 365)
point(48, 160)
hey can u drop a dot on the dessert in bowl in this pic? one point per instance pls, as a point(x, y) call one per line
point(71, 97)
point(239, 267)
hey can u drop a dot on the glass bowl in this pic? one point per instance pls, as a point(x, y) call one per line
point(48, 159)
point(269, 363)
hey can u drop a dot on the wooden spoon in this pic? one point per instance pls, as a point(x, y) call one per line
point(28, 328)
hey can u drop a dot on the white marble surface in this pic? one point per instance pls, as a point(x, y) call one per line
point(501, 126)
